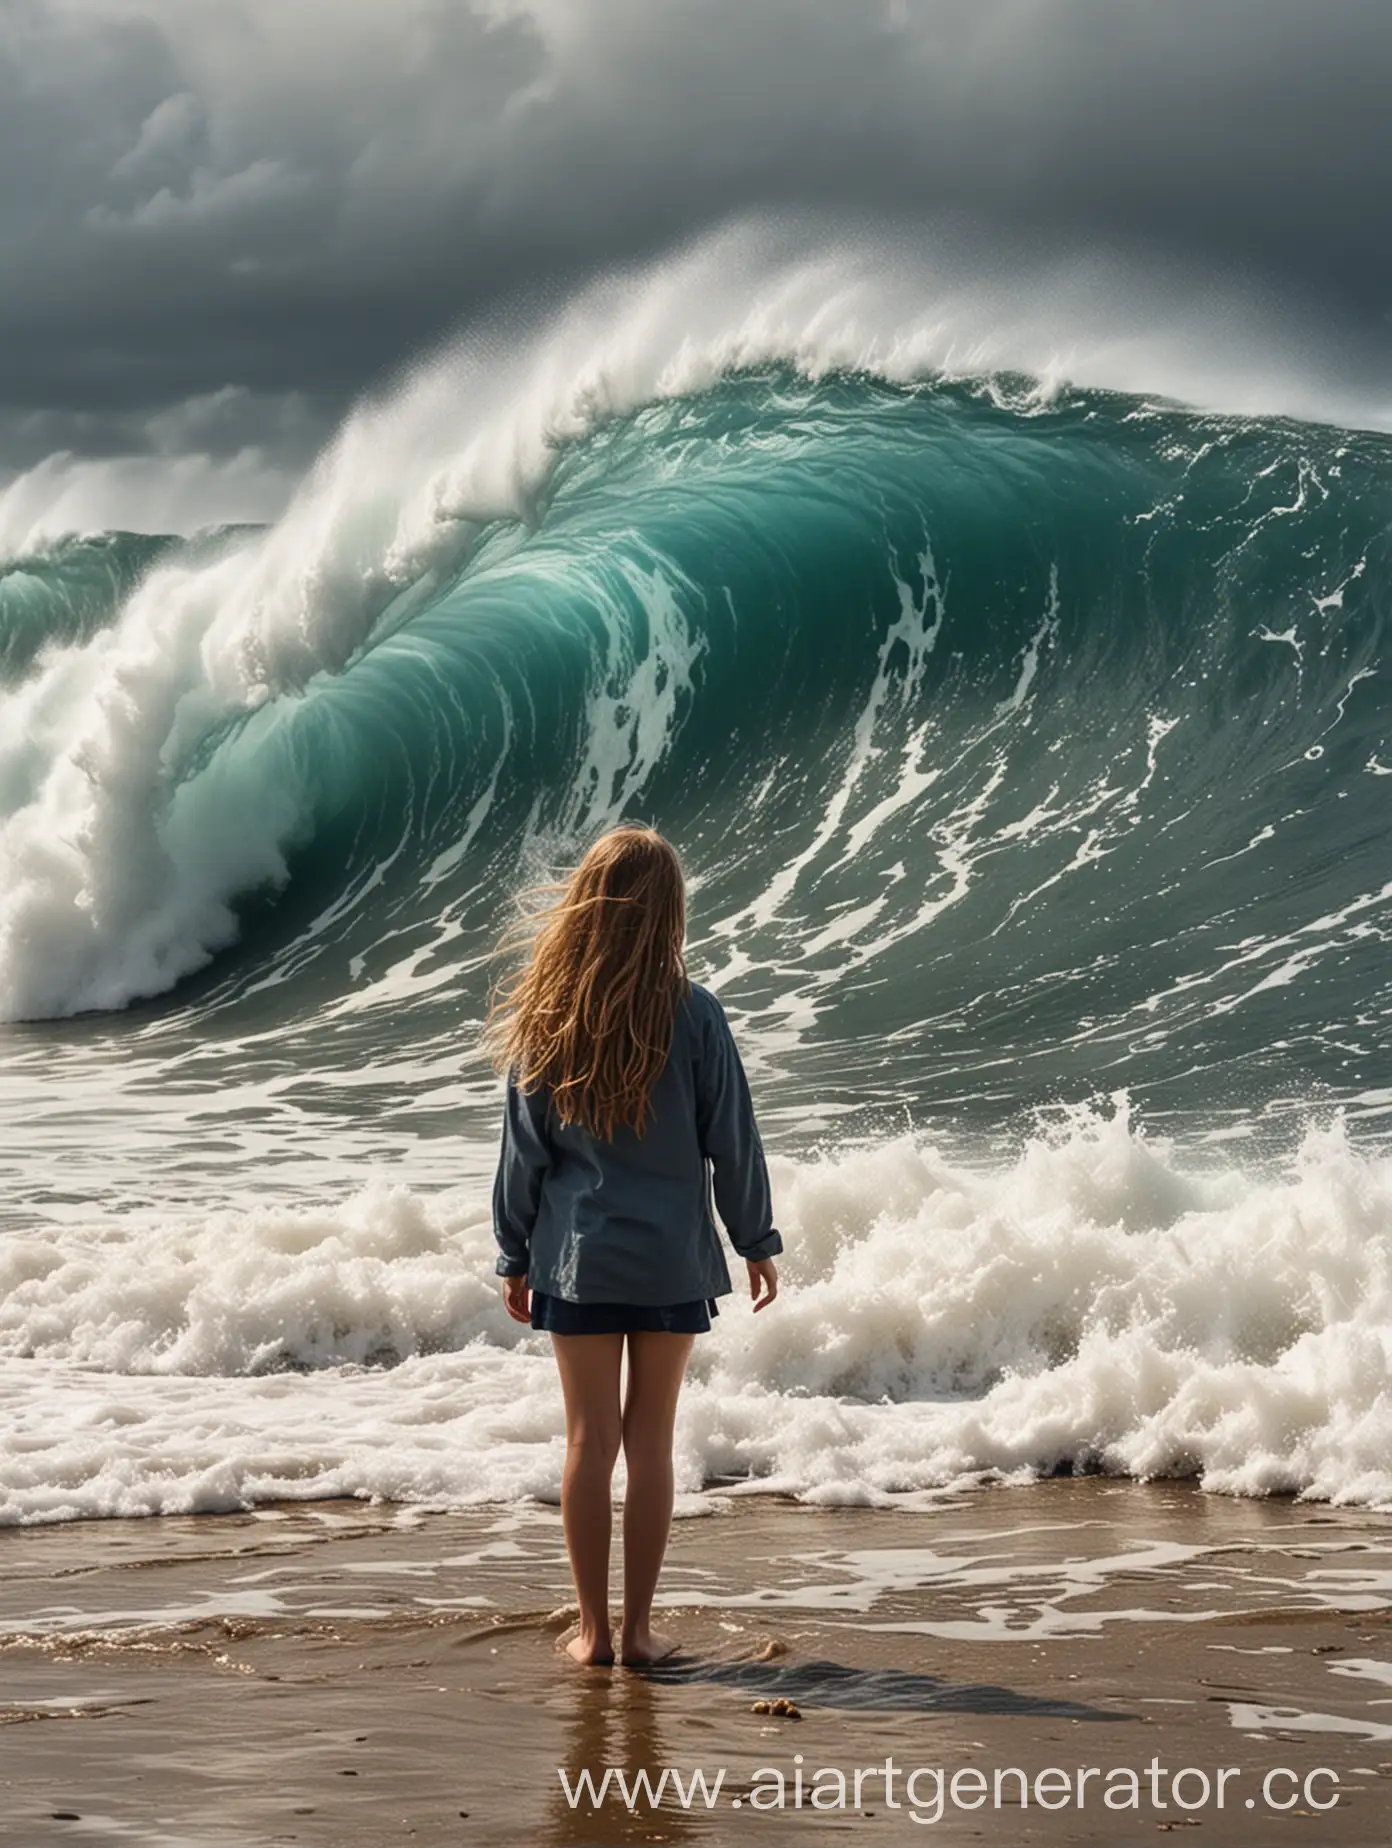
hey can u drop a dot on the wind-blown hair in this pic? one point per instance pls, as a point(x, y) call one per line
point(590, 1013)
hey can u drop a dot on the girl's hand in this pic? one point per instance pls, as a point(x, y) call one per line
point(763, 1283)
point(517, 1299)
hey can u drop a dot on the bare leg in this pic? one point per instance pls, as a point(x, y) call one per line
point(656, 1366)
point(589, 1367)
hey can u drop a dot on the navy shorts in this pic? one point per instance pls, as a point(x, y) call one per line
point(559, 1317)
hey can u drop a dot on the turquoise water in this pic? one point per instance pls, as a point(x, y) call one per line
point(1019, 752)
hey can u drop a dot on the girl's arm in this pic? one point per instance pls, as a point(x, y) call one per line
point(730, 1138)
point(522, 1168)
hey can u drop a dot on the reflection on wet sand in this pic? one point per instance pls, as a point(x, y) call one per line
point(615, 1721)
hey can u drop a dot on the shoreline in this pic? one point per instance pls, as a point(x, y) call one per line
point(233, 1678)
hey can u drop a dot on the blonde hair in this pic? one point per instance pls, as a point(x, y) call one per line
point(589, 1014)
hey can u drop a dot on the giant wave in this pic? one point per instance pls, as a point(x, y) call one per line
point(1014, 745)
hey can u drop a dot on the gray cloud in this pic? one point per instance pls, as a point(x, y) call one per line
point(283, 198)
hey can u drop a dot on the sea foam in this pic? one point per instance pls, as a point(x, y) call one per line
point(1095, 1303)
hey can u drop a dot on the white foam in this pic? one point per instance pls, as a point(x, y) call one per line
point(1250, 1718)
point(1090, 1302)
point(1364, 1668)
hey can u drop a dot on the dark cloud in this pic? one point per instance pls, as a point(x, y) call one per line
point(285, 197)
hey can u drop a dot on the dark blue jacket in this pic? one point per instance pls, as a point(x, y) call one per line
point(630, 1221)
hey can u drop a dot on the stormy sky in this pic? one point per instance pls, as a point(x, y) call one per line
point(220, 222)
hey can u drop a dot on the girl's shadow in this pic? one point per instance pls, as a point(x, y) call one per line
point(886, 1690)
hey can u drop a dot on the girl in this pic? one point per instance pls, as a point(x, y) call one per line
point(625, 1099)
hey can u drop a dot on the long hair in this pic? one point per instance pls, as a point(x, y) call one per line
point(589, 1015)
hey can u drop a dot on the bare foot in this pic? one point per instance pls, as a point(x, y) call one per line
point(590, 1651)
point(644, 1647)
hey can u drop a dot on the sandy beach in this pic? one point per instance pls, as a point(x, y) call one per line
point(344, 1674)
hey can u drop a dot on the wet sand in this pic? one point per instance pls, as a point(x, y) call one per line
point(336, 1674)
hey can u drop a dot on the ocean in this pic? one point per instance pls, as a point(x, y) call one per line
point(1026, 743)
